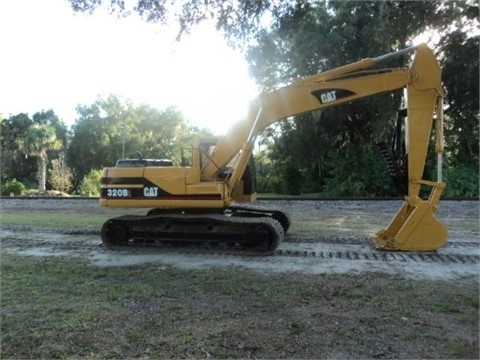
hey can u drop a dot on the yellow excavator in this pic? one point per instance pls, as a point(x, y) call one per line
point(205, 201)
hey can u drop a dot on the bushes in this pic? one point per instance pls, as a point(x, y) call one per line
point(90, 184)
point(60, 175)
point(356, 171)
point(13, 186)
point(360, 172)
point(462, 181)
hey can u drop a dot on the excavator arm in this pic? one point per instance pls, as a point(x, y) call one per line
point(301, 97)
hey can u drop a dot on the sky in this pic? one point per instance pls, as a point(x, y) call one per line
point(52, 58)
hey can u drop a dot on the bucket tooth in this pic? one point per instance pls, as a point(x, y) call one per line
point(414, 228)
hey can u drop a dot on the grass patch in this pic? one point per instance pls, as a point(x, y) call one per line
point(458, 349)
point(49, 220)
point(64, 307)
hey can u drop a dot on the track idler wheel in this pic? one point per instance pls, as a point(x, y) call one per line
point(276, 234)
point(283, 219)
point(115, 233)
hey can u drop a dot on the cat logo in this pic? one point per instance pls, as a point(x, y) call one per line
point(150, 191)
point(328, 96)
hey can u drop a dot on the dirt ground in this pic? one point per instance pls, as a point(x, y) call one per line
point(326, 237)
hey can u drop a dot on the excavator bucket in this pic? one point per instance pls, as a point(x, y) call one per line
point(414, 227)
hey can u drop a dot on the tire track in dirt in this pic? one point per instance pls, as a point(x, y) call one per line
point(347, 256)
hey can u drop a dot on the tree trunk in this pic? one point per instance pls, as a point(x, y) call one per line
point(42, 172)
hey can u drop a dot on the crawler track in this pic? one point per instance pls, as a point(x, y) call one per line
point(238, 226)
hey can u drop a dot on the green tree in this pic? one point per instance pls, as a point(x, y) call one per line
point(38, 139)
point(324, 35)
point(97, 136)
point(239, 20)
point(311, 39)
point(13, 162)
point(111, 129)
point(460, 66)
point(48, 117)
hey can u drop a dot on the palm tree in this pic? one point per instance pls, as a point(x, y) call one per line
point(38, 139)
